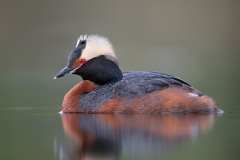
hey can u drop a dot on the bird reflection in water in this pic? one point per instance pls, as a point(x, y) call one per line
point(107, 136)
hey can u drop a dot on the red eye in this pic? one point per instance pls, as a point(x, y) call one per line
point(83, 61)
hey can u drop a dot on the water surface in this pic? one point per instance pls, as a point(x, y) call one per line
point(42, 133)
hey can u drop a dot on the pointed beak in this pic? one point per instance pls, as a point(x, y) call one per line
point(64, 72)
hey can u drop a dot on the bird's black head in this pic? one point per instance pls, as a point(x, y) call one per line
point(93, 59)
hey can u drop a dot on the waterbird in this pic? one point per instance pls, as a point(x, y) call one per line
point(106, 89)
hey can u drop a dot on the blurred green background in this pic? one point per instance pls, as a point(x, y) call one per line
point(198, 41)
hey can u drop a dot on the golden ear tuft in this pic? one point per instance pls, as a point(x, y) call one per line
point(96, 45)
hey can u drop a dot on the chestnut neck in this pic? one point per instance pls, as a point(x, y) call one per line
point(71, 99)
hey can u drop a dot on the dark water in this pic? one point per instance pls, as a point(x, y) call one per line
point(42, 133)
